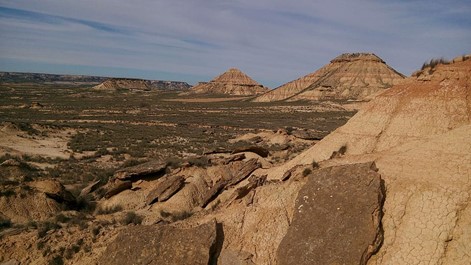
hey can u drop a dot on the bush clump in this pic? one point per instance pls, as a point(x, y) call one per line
point(108, 210)
point(44, 227)
point(200, 161)
point(434, 62)
point(5, 223)
point(306, 172)
point(132, 218)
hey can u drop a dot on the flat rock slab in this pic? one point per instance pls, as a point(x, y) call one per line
point(337, 218)
point(145, 170)
point(159, 244)
point(165, 189)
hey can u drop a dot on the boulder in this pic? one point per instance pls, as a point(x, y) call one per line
point(337, 218)
point(159, 244)
point(54, 190)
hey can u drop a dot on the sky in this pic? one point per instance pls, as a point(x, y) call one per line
point(273, 41)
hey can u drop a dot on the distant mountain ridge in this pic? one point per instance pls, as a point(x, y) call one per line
point(100, 82)
point(20, 77)
point(141, 84)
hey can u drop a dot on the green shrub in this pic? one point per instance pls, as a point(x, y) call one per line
point(174, 162)
point(5, 223)
point(306, 172)
point(181, 215)
point(200, 161)
point(56, 260)
point(85, 204)
point(7, 193)
point(175, 216)
point(132, 218)
point(44, 227)
point(434, 62)
point(40, 245)
point(108, 210)
point(342, 149)
point(62, 218)
point(130, 163)
point(96, 230)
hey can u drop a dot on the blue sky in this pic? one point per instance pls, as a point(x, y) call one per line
point(273, 41)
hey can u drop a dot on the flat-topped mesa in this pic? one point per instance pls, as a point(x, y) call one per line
point(357, 56)
point(113, 84)
point(231, 82)
point(357, 76)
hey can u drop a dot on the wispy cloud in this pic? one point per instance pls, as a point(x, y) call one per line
point(273, 41)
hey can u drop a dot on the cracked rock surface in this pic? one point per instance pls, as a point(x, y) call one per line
point(337, 218)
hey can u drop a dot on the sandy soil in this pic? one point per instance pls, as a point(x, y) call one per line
point(206, 99)
point(13, 140)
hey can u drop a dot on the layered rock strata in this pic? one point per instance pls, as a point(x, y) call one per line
point(348, 76)
point(232, 82)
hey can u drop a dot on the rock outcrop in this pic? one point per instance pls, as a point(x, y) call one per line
point(114, 84)
point(348, 76)
point(151, 169)
point(418, 133)
point(232, 82)
point(162, 245)
point(337, 218)
point(124, 83)
point(38, 200)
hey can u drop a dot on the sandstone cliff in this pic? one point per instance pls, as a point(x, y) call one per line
point(231, 82)
point(348, 76)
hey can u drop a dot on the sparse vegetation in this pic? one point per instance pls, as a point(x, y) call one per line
point(131, 218)
point(199, 161)
point(56, 260)
point(110, 131)
point(85, 204)
point(342, 150)
point(61, 218)
point(434, 62)
point(315, 165)
point(7, 193)
point(108, 210)
point(5, 223)
point(306, 172)
point(181, 215)
point(44, 227)
point(175, 216)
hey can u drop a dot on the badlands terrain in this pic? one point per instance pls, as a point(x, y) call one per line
point(352, 164)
